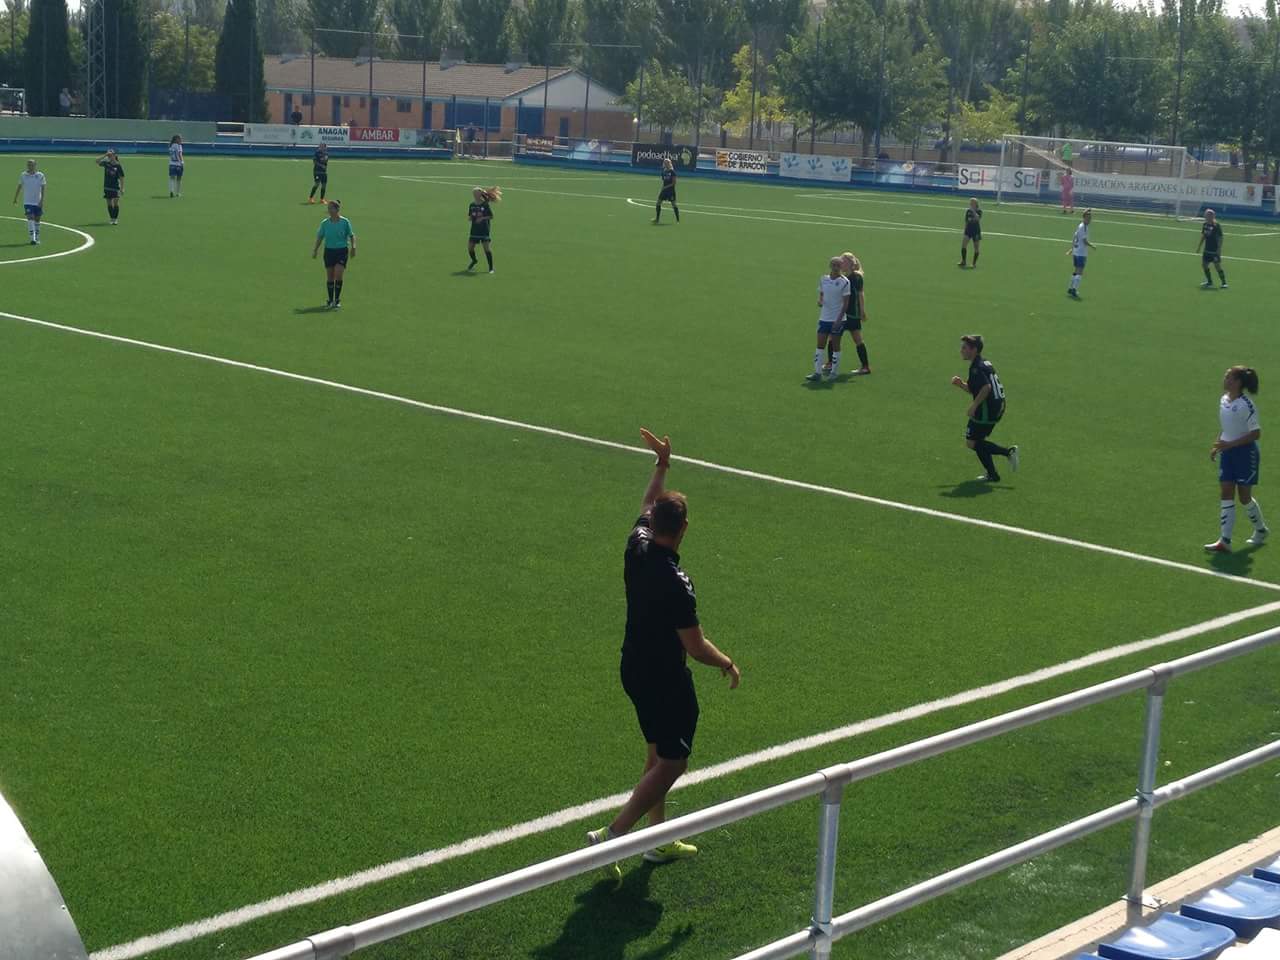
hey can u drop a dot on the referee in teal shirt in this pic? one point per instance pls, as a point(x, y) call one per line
point(339, 243)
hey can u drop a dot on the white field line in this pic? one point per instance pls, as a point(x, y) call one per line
point(593, 808)
point(627, 448)
point(88, 242)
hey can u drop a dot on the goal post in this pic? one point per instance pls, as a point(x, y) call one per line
point(1075, 172)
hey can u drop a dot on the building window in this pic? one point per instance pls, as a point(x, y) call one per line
point(346, 101)
point(306, 99)
point(403, 105)
point(362, 103)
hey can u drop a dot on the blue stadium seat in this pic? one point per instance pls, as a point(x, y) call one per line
point(1246, 905)
point(1270, 871)
point(1170, 937)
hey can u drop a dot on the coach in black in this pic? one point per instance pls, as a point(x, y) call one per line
point(662, 632)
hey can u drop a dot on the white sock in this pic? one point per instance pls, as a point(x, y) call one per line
point(1075, 281)
point(817, 360)
point(835, 363)
point(31, 228)
point(1255, 515)
point(1228, 519)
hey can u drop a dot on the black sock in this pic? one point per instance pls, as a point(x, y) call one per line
point(111, 212)
point(993, 448)
point(488, 255)
point(677, 210)
point(984, 457)
point(313, 191)
point(964, 255)
point(322, 190)
point(831, 352)
point(657, 214)
point(329, 288)
point(337, 291)
point(1221, 275)
point(862, 354)
point(975, 256)
point(472, 254)
point(1207, 277)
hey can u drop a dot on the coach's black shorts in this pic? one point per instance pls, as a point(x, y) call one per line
point(667, 710)
point(109, 194)
point(668, 194)
point(335, 256)
point(479, 236)
point(973, 233)
point(1209, 258)
point(979, 431)
point(320, 176)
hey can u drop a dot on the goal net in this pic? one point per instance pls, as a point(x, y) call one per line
point(1077, 173)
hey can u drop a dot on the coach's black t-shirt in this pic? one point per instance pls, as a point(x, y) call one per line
point(660, 601)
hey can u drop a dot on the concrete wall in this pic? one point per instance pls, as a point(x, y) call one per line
point(79, 128)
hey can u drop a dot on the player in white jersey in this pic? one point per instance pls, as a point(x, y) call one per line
point(31, 187)
point(1080, 247)
point(175, 166)
point(1236, 451)
point(833, 301)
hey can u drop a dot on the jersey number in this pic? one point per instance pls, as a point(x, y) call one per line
point(997, 390)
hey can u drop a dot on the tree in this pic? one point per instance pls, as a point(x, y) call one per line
point(47, 57)
point(617, 22)
point(13, 38)
point(182, 54)
point(280, 26)
point(412, 18)
point(1226, 90)
point(669, 99)
point(238, 62)
point(539, 24)
point(486, 25)
point(341, 27)
point(814, 80)
point(701, 36)
point(208, 13)
point(989, 122)
point(125, 60)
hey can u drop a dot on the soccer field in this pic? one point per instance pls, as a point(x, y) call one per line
point(292, 594)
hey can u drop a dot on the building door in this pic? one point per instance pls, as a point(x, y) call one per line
point(564, 128)
point(373, 111)
point(288, 108)
point(337, 111)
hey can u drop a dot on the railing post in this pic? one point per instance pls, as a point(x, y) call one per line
point(1146, 787)
point(825, 887)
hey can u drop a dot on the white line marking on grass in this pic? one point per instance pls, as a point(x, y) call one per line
point(441, 182)
point(88, 242)
point(562, 818)
point(627, 448)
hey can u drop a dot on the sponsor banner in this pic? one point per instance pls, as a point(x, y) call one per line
point(546, 146)
point(376, 134)
point(1169, 189)
point(742, 161)
point(803, 166)
point(652, 154)
point(980, 179)
point(288, 133)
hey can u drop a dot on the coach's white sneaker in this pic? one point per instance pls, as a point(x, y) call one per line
point(1259, 537)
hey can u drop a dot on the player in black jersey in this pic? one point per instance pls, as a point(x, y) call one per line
point(319, 173)
point(854, 317)
point(668, 191)
point(481, 215)
point(972, 231)
point(986, 408)
point(112, 183)
point(1211, 240)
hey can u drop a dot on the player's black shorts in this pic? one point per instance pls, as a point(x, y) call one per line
point(973, 232)
point(321, 176)
point(667, 709)
point(668, 194)
point(979, 431)
point(109, 194)
point(479, 236)
point(334, 256)
point(850, 323)
point(1208, 258)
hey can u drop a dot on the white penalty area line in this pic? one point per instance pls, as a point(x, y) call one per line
point(562, 818)
point(628, 448)
point(87, 242)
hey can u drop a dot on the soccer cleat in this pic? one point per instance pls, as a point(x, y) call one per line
point(826, 368)
point(1259, 537)
point(337, 304)
point(471, 265)
point(33, 241)
point(612, 870)
point(329, 305)
point(1224, 284)
point(1207, 285)
point(1218, 546)
point(832, 376)
point(670, 852)
point(491, 271)
point(813, 377)
point(1071, 292)
point(864, 371)
point(1013, 458)
point(961, 264)
point(988, 478)
point(311, 199)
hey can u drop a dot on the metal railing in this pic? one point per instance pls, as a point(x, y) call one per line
point(824, 928)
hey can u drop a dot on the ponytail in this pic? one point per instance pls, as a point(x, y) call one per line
point(1248, 378)
point(492, 194)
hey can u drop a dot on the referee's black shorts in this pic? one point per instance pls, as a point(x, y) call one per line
point(667, 708)
point(335, 256)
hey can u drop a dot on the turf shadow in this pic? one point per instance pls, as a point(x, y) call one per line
point(316, 309)
point(465, 273)
point(24, 243)
point(1237, 563)
point(610, 916)
point(969, 488)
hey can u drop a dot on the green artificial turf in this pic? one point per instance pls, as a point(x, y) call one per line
point(259, 633)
